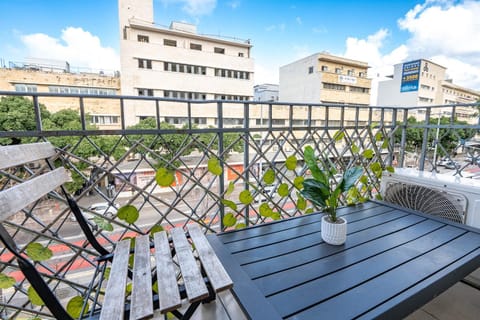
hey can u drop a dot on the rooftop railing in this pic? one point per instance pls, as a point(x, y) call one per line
point(221, 164)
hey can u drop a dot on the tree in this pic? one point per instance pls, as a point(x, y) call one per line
point(18, 114)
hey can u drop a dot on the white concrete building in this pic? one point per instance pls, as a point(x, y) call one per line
point(266, 92)
point(177, 62)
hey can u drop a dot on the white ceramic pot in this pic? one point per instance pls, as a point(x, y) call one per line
point(334, 232)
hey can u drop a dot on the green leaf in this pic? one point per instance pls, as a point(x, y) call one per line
point(34, 297)
point(276, 216)
point(128, 214)
point(291, 163)
point(384, 144)
point(315, 191)
point(390, 169)
point(301, 202)
point(378, 136)
point(269, 176)
point(309, 210)
point(265, 210)
point(350, 177)
point(37, 252)
point(373, 125)
point(378, 196)
point(283, 190)
point(245, 197)
point(128, 289)
point(311, 161)
point(232, 205)
point(214, 166)
point(155, 286)
point(298, 182)
point(103, 224)
point(368, 154)
point(164, 177)
point(240, 225)
point(339, 135)
point(376, 167)
point(364, 179)
point(106, 274)
point(355, 149)
point(75, 305)
point(231, 187)
point(229, 220)
point(6, 281)
point(156, 228)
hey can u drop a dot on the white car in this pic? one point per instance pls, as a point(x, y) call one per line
point(102, 208)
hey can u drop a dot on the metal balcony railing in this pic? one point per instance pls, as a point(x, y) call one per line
point(221, 164)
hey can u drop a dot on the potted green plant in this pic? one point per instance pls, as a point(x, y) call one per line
point(323, 192)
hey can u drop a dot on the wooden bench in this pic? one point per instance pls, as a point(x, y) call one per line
point(202, 277)
point(193, 272)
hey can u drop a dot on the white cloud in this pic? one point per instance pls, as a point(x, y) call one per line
point(80, 48)
point(234, 4)
point(273, 27)
point(448, 33)
point(299, 20)
point(194, 7)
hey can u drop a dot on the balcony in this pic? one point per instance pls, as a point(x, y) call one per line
point(219, 164)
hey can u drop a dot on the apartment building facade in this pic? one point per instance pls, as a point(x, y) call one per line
point(325, 78)
point(37, 76)
point(423, 83)
point(177, 62)
point(266, 92)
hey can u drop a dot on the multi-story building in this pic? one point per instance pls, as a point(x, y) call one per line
point(177, 62)
point(40, 75)
point(324, 78)
point(422, 83)
point(266, 92)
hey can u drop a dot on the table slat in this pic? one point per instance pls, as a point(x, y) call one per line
point(216, 273)
point(114, 302)
point(193, 280)
point(169, 297)
point(142, 303)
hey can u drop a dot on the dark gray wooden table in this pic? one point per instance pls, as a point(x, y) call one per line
point(394, 261)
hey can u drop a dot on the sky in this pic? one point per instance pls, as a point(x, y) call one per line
point(383, 33)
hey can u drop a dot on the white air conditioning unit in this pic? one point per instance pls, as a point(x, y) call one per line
point(445, 196)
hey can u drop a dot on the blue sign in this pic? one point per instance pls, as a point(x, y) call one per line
point(410, 76)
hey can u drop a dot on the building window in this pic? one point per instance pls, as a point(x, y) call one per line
point(145, 92)
point(169, 42)
point(81, 90)
point(219, 50)
point(324, 68)
point(361, 74)
point(231, 121)
point(145, 63)
point(424, 87)
point(184, 95)
point(226, 73)
point(25, 87)
point(231, 97)
point(199, 120)
point(351, 72)
point(310, 69)
point(195, 46)
point(333, 86)
point(142, 38)
point(99, 119)
point(338, 70)
point(359, 89)
point(240, 54)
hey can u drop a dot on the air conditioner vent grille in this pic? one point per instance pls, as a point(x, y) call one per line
point(427, 200)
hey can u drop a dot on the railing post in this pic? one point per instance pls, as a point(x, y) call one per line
point(221, 182)
point(403, 141)
point(82, 114)
point(391, 145)
point(423, 154)
point(38, 114)
point(246, 155)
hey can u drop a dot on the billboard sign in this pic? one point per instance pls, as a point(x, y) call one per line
point(410, 76)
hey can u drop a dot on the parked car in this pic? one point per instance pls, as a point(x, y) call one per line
point(452, 165)
point(264, 192)
point(443, 162)
point(102, 208)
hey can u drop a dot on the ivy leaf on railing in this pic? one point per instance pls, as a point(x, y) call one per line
point(232, 205)
point(275, 215)
point(164, 177)
point(339, 135)
point(106, 274)
point(37, 252)
point(75, 305)
point(6, 281)
point(245, 197)
point(301, 202)
point(379, 136)
point(240, 225)
point(283, 190)
point(265, 210)
point(214, 166)
point(368, 154)
point(230, 188)
point(309, 210)
point(34, 297)
point(298, 182)
point(384, 144)
point(291, 163)
point(390, 169)
point(156, 228)
point(103, 224)
point(229, 220)
point(269, 176)
point(376, 169)
point(128, 214)
point(355, 149)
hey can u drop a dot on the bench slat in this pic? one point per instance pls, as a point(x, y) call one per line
point(216, 273)
point(169, 296)
point(19, 196)
point(114, 302)
point(142, 303)
point(12, 156)
point(193, 280)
